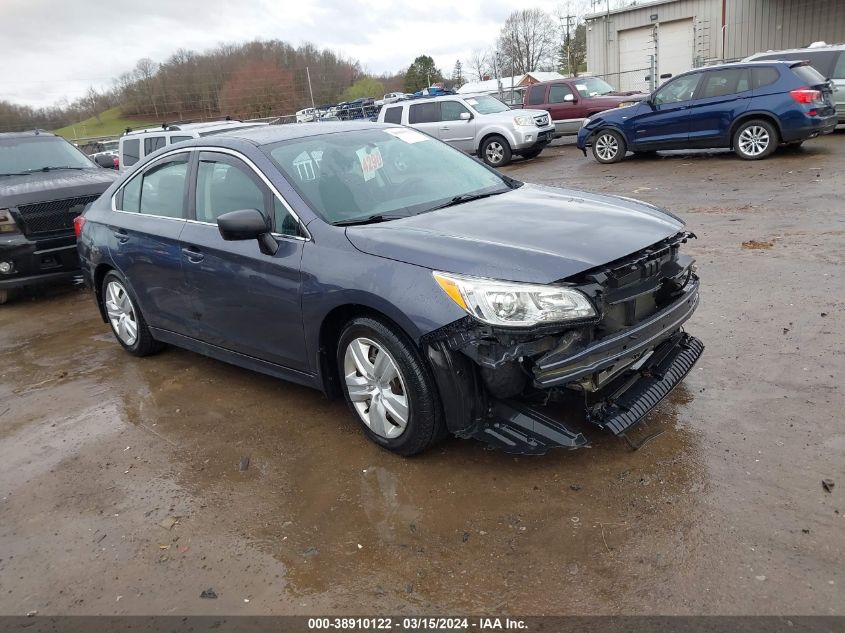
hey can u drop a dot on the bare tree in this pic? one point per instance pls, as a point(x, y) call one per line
point(145, 71)
point(91, 103)
point(528, 41)
point(478, 65)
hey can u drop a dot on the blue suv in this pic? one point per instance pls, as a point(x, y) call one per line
point(749, 107)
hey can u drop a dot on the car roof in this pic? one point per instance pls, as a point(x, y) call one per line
point(806, 49)
point(791, 63)
point(268, 134)
point(204, 126)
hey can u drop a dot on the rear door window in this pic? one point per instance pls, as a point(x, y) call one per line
point(536, 95)
point(424, 113)
point(131, 151)
point(163, 187)
point(153, 143)
point(393, 115)
point(724, 82)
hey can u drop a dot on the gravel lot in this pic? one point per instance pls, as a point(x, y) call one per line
point(120, 487)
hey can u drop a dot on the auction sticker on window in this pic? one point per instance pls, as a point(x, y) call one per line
point(407, 135)
point(371, 161)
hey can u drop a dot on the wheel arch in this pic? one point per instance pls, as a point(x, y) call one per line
point(768, 117)
point(331, 327)
point(490, 133)
point(100, 273)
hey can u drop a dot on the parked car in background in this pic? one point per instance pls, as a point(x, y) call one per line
point(135, 145)
point(828, 59)
point(45, 183)
point(477, 124)
point(307, 115)
point(376, 263)
point(391, 97)
point(749, 107)
point(570, 101)
point(113, 155)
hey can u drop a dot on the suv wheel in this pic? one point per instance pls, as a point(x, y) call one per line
point(755, 139)
point(609, 147)
point(388, 387)
point(127, 322)
point(532, 153)
point(495, 151)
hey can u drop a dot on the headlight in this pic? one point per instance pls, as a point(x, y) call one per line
point(514, 304)
point(524, 120)
point(7, 222)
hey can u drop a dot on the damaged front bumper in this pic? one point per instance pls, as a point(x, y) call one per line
point(505, 387)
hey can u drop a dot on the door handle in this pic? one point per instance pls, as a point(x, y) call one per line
point(121, 235)
point(444, 127)
point(193, 254)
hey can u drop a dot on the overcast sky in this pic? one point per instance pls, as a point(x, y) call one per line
point(54, 49)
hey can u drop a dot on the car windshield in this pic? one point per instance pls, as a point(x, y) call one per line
point(485, 104)
point(592, 86)
point(386, 172)
point(34, 153)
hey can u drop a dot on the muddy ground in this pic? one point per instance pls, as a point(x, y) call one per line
point(120, 488)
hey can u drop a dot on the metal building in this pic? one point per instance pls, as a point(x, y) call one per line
point(633, 46)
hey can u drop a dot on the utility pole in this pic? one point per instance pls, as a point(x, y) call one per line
point(311, 92)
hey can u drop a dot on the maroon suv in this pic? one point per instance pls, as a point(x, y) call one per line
point(570, 101)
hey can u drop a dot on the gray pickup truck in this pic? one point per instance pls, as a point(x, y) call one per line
point(477, 124)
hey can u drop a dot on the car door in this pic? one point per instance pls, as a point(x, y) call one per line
point(458, 132)
point(243, 300)
point(722, 95)
point(565, 110)
point(150, 211)
point(663, 121)
point(425, 117)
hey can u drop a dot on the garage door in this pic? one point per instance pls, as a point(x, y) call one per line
point(675, 47)
point(635, 48)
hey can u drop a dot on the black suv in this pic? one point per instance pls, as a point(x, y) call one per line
point(45, 182)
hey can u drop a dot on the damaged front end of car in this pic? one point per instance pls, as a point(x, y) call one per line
point(499, 384)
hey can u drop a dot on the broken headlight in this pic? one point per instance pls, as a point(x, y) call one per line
point(514, 304)
point(7, 222)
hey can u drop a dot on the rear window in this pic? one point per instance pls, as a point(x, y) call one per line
point(131, 151)
point(536, 95)
point(393, 115)
point(809, 74)
point(424, 113)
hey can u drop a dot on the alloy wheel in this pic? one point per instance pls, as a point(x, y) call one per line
point(121, 313)
point(607, 147)
point(754, 140)
point(495, 152)
point(376, 387)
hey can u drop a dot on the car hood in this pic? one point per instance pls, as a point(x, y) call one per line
point(508, 115)
point(54, 185)
point(533, 234)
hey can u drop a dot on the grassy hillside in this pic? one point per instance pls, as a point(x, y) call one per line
point(111, 123)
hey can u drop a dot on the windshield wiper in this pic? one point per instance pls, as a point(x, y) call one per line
point(467, 197)
point(52, 167)
point(18, 173)
point(368, 219)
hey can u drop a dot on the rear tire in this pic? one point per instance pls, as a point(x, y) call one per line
point(127, 323)
point(609, 147)
point(388, 387)
point(755, 139)
point(496, 151)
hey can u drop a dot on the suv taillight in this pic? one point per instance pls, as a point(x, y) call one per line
point(806, 95)
point(78, 223)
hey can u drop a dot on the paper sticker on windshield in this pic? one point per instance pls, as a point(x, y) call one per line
point(406, 134)
point(581, 87)
point(472, 102)
point(371, 161)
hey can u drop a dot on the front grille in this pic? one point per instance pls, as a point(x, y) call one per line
point(55, 216)
point(541, 120)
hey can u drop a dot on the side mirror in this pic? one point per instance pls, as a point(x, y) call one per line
point(105, 160)
point(247, 224)
point(570, 98)
point(466, 116)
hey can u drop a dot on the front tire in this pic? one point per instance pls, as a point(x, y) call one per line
point(127, 323)
point(609, 147)
point(532, 153)
point(755, 139)
point(496, 151)
point(388, 387)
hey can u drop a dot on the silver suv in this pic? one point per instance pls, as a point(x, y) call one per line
point(828, 59)
point(477, 124)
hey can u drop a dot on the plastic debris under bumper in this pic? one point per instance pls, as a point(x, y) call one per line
point(641, 392)
point(526, 430)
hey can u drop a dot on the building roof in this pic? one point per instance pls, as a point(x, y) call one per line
point(491, 85)
point(631, 7)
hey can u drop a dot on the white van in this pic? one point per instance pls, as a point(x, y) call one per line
point(306, 116)
point(137, 144)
